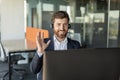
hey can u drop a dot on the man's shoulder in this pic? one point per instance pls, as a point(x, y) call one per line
point(74, 43)
point(71, 40)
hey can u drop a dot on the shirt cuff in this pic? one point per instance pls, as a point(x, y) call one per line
point(39, 54)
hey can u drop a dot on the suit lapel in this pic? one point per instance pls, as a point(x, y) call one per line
point(69, 46)
point(51, 45)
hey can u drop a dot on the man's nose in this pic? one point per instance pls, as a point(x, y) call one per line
point(61, 27)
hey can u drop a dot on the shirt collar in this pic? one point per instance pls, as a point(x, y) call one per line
point(64, 41)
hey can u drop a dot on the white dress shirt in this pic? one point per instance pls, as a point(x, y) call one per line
point(60, 45)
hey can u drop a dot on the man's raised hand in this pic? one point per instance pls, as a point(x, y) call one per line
point(41, 45)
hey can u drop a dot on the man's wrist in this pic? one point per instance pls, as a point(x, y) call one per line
point(40, 53)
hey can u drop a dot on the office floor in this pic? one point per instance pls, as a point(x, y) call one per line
point(27, 76)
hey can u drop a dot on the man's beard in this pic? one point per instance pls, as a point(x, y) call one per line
point(60, 35)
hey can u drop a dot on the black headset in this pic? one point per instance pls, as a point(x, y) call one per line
point(51, 26)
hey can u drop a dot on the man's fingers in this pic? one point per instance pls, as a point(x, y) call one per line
point(48, 42)
point(42, 35)
point(40, 42)
point(39, 35)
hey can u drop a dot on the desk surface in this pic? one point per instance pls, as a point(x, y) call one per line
point(18, 45)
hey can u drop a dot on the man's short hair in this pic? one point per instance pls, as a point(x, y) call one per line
point(60, 15)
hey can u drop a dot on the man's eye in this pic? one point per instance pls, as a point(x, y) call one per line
point(58, 24)
point(65, 25)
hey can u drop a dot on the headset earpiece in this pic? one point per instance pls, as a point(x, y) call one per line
point(51, 25)
point(69, 26)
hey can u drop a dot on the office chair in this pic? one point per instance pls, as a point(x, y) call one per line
point(14, 60)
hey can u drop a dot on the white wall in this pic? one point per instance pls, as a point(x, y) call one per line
point(12, 19)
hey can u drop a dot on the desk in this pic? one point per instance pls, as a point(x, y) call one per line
point(17, 46)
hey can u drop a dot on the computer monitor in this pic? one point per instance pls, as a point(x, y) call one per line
point(82, 64)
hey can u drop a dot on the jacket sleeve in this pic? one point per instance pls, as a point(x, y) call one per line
point(36, 64)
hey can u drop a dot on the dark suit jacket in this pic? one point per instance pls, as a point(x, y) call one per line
point(37, 62)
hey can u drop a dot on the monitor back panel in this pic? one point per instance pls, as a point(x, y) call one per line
point(82, 64)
